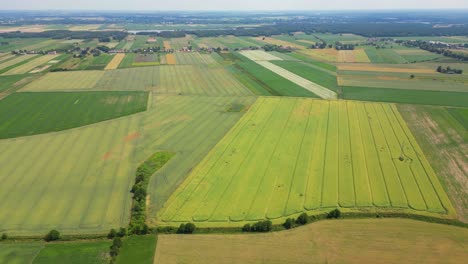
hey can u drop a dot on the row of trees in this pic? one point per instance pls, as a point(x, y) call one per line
point(449, 70)
point(67, 34)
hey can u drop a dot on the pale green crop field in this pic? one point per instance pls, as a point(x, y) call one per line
point(286, 156)
point(30, 65)
point(76, 181)
point(190, 79)
point(65, 81)
point(16, 60)
point(194, 58)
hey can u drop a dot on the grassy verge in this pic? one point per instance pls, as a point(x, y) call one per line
point(138, 249)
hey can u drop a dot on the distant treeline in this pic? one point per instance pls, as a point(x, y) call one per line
point(165, 34)
point(363, 29)
point(67, 34)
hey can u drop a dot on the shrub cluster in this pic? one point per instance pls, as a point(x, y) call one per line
point(261, 226)
point(188, 228)
point(138, 219)
point(334, 214)
point(114, 233)
point(301, 220)
point(115, 248)
point(52, 235)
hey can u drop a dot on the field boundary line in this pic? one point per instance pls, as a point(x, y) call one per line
point(351, 153)
point(325, 154)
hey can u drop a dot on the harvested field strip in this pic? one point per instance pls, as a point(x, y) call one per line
point(377, 68)
point(16, 60)
point(279, 42)
point(94, 164)
point(5, 57)
point(115, 62)
point(25, 114)
point(266, 183)
point(306, 84)
point(65, 81)
point(171, 59)
point(358, 241)
point(259, 55)
point(24, 68)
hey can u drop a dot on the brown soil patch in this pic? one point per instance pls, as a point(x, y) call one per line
point(107, 156)
point(171, 59)
point(131, 136)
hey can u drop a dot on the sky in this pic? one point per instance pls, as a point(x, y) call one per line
point(253, 5)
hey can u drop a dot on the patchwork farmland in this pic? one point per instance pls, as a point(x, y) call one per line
point(315, 155)
point(122, 134)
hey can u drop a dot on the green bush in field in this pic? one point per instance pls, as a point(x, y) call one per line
point(52, 235)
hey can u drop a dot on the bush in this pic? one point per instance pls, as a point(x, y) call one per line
point(334, 214)
point(122, 232)
point(246, 228)
point(302, 219)
point(112, 234)
point(52, 235)
point(4, 236)
point(262, 226)
point(188, 228)
point(289, 223)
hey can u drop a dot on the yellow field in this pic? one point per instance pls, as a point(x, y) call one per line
point(333, 55)
point(115, 62)
point(343, 241)
point(171, 59)
point(383, 68)
point(278, 42)
point(24, 68)
point(167, 45)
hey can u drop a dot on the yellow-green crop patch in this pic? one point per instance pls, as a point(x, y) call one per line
point(65, 81)
point(24, 68)
point(75, 181)
point(290, 155)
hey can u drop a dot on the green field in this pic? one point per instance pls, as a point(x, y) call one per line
point(77, 181)
point(7, 82)
point(74, 253)
point(16, 61)
point(277, 85)
point(194, 58)
point(138, 249)
point(25, 114)
point(310, 72)
point(346, 241)
point(269, 164)
point(19, 253)
point(405, 96)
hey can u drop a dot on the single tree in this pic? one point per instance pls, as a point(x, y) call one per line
point(302, 219)
point(52, 235)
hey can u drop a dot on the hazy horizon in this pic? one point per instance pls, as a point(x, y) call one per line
point(240, 5)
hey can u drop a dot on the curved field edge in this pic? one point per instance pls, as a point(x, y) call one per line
point(170, 214)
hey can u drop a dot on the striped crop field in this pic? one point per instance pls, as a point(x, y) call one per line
point(190, 79)
point(115, 62)
point(30, 65)
point(291, 155)
point(194, 58)
point(65, 81)
point(131, 79)
point(16, 60)
point(76, 181)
